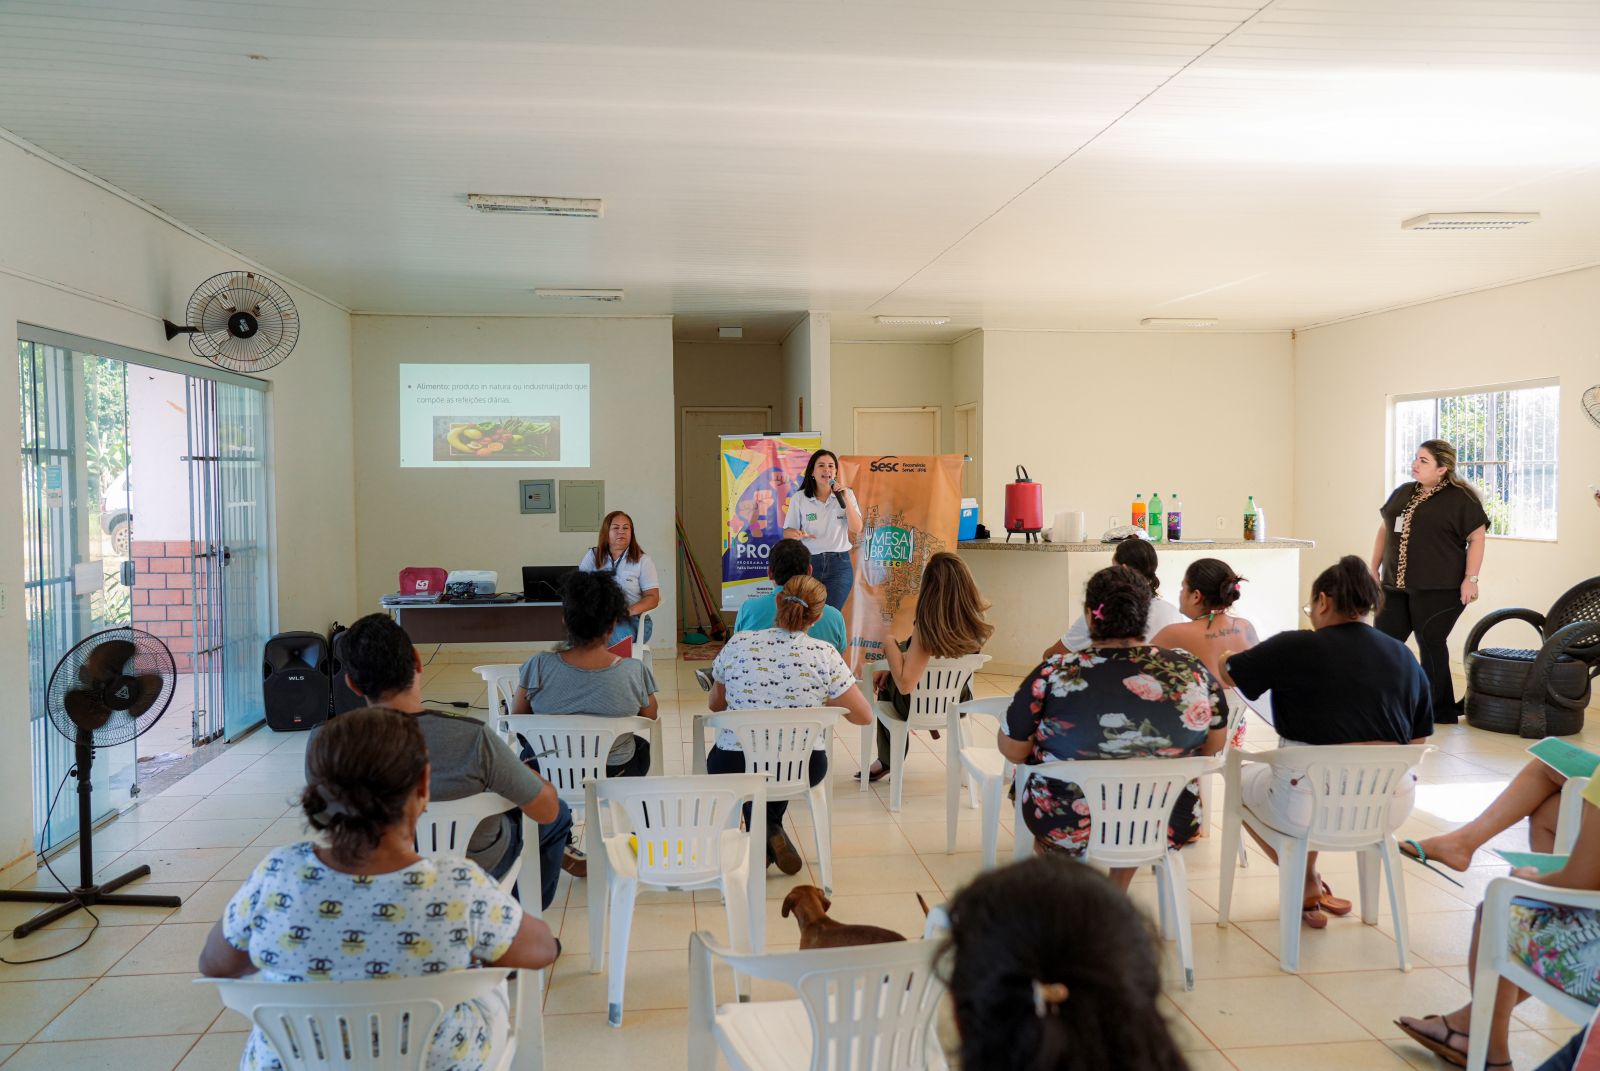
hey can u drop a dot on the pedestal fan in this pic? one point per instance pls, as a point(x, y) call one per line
point(108, 689)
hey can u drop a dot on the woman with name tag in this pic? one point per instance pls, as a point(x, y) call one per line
point(827, 519)
point(1427, 556)
point(617, 552)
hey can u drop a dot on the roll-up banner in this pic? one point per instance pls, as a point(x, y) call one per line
point(910, 510)
point(759, 472)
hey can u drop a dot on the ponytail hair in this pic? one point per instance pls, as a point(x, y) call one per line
point(1214, 581)
point(1073, 988)
point(1444, 454)
point(800, 603)
point(1116, 603)
point(1139, 555)
point(1349, 586)
point(361, 768)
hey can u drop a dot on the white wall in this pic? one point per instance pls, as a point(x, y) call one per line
point(1097, 417)
point(890, 375)
point(79, 258)
point(807, 376)
point(1346, 374)
point(470, 518)
point(966, 387)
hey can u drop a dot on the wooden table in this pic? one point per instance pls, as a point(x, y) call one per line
point(481, 622)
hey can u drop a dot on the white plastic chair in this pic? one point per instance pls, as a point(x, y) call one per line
point(987, 773)
point(938, 690)
point(1352, 787)
point(1238, 708)
point(1570, 815)
point(641, 649)
point(501, 681)
point(572, 748)
point(371, 1026)
point(673, 833)
point(1495, 960)
point(445, 828)
point(869, 1008)
point(1130, 807)
point(778, 745)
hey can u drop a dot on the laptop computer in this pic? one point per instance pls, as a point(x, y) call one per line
point(542, 583)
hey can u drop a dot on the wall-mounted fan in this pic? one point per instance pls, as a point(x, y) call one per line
point(240, 321)
point(107, 690)
point(1591, 404)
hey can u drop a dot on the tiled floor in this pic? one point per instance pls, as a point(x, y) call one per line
point(126, 1000)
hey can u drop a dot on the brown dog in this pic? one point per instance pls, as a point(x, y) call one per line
point(809, 906)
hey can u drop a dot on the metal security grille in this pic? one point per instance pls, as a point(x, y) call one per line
point(1506, 445)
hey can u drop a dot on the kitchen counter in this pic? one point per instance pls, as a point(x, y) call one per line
point(1096, 546)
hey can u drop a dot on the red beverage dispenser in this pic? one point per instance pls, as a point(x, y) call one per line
point(1024, 507)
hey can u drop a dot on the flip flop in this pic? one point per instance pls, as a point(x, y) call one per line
point(874, 776)
point(1337, 906)
point(1417, 855)
point(1311, 913)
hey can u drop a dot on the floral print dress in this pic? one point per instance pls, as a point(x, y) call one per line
point(1112, 703)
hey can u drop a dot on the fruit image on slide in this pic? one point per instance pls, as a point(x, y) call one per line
point(513, 438)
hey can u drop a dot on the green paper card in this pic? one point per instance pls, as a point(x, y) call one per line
point(1566, 759)
point(1543, 862)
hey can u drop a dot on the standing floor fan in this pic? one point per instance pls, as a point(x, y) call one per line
point(107, 690)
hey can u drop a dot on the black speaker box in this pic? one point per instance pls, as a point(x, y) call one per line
point(344, 697)
point(294, 681)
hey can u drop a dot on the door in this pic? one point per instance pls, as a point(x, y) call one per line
point(75, 548)
point(700, 484)
point(910, 431)
point(969, 446)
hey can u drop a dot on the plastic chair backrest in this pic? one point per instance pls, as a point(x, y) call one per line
point(778, 743)
point(501, 677)
point(1351, 788)
point(1130, 802)
point(354, 1026)
point(677, 822)
point(571, 748)
point(447, 825)
point(940, 689)
point(873, 1010)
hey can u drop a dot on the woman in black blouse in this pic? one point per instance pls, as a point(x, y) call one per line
point(1427, 556)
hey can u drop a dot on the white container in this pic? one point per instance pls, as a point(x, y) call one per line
point(1071, 526)
point(1261, 524)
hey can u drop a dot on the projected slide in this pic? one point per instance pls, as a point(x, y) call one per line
point(494, 415)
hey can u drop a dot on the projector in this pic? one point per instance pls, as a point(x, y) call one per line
point(471, 583)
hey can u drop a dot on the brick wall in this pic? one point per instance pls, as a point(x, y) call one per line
point(162, 598)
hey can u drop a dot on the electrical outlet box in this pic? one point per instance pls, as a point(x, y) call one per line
point(537, 496)
point(583, 505)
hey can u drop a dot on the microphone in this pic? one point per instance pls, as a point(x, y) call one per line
point(837, 493)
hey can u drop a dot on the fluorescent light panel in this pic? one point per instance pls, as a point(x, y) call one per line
point(1178, 321)
point(1469, 221)
point(578, 295)
point(579, 207)
point(912, 321)
point(730, 332)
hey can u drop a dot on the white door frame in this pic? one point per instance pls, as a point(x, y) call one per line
point(975, 447)
point(855, 419)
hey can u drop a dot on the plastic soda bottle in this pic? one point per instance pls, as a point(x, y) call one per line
point(1157, 524)
point(1138, 511)
point(1250, 520)
point(1175, 520)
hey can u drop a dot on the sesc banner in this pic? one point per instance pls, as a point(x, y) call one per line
point(910, 510)
point(759, 472)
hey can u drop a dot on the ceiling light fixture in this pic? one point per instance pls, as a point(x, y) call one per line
point(1178, 321)
point(730, 332)
point(578, 295)
point(579, 207)
point(1469, 221)
point(911, 321)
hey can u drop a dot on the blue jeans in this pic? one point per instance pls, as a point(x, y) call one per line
point(1566, 1057)
point(629, 630)
point(834, 571)
point(553, 839)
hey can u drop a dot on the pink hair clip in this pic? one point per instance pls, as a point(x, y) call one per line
point(1098, 613)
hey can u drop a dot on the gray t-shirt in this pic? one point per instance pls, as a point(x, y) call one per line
point(467, 758)
point(620, 690)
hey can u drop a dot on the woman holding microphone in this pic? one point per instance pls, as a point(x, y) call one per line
point(827, 519)
point(1427, 556)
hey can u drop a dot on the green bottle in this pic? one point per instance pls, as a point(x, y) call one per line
point(1250, 519)
point(1157, 523)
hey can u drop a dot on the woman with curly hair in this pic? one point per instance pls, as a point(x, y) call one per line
point(1119, 698)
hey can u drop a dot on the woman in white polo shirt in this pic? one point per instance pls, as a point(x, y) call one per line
point(825, 516)
point(618, 553)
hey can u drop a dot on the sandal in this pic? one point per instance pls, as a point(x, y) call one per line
point(1311, 913)
point(1442, 1049)
point(1336, 906)
point(1417, 855)
point(875, 773)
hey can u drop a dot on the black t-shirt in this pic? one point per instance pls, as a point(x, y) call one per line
point(1344, 684)
point(1436, 556)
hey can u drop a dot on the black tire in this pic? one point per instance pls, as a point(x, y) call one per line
point(1507, 677)
point(1498, 714)
point(121, 536)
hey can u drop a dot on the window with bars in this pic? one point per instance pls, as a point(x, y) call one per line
point(1505, 443)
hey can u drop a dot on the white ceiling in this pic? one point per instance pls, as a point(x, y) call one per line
point(1014, 164)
